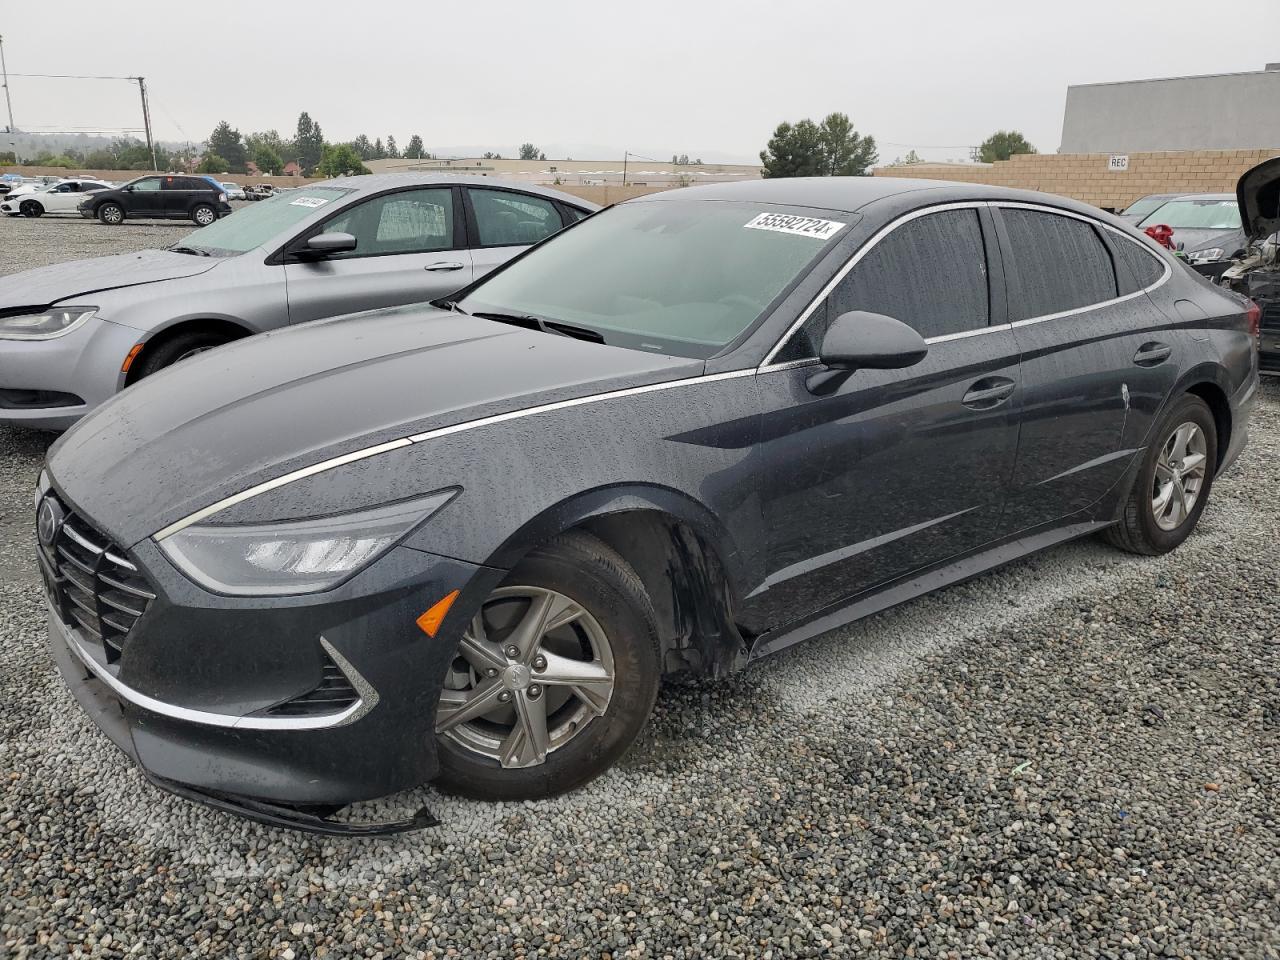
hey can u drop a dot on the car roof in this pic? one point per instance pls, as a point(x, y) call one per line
point(850, 194)
point(375, 182)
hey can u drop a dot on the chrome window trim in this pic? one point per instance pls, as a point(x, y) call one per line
point(766, 366)
point(368, 697)
point(465, 425)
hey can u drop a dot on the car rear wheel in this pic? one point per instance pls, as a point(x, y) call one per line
point(111, 213)
point(177, 349)
point(1173, 484)
point(31, 208)
point(203, 215)
point(554, 677)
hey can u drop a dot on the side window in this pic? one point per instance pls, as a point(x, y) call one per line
point(504, 218)
point(1137, 268)
point(67, 188)
point(148, 185)
point(413, 221)
point(1059, 264)
point(930, 273)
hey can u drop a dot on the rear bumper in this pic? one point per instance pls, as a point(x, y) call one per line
point(1241, 407)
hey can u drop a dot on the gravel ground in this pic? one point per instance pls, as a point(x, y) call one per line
point(1077, 755)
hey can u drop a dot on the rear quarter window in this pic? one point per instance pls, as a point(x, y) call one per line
point(1136, 268)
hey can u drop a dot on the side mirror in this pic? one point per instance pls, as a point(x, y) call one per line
point(324, 244)
point(871, 341)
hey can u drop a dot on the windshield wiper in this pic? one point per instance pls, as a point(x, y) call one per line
point(530, 322)
point(196, 251)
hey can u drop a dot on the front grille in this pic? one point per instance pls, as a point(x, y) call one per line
point(1271, 316)
point(333, 695)
point(91, 584)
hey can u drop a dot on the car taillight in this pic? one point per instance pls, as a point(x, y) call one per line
point(1253, 316)
point(1162, 234)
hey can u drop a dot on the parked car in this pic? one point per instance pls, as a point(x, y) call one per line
point(63, 197)
point(329, 249)
point(29, 185)
point(233, 191)
point(1139, 209)
point(259, 191)
point(167, 196)
point(465, 541)
point(1257, 272)
point(1206, 226)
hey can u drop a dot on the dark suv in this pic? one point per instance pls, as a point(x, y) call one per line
point(169, 197)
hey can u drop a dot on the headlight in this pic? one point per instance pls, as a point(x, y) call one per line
point(54, 322)
point(1208, 253)
point(297, 556)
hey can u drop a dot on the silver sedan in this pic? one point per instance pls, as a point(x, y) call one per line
point(74, 334)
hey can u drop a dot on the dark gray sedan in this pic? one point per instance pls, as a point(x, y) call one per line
point(74, 334)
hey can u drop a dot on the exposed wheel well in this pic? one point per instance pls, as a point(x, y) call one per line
point(229, 329)
point(686, 582)
point(1212, 394)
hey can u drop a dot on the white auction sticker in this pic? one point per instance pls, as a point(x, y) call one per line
point(309, 202)
point(800, 226)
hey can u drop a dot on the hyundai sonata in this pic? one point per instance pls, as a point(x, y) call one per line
point(465, 542)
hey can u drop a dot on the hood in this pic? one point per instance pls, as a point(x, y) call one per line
point(80, 278)
point(1258, 193)
point(1192, 240)
point(264, 406)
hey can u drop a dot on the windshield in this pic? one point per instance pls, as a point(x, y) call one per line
point(1140, 208)
point(1197, 215)
point(257, 223)
point(680, 277)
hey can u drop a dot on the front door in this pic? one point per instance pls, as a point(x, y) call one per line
point(891, 471)
point(1098, 359)
point(410, 248)
point(145, 198)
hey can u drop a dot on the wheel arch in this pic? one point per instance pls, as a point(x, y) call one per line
point(233, 328)
point(1210, 383)
point(681, 552)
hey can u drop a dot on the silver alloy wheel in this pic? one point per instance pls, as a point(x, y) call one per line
point(1180, 472)
point(113, 214)
point(533, 670)
point(205, 216)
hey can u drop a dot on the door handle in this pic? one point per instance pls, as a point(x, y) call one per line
point(988, 392)
point(443, 266)
point(1152, 354)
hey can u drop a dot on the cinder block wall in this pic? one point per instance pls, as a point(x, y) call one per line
point(1087, 177)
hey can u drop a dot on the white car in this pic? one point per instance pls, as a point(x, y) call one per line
point(61, 197)
point(234, 191)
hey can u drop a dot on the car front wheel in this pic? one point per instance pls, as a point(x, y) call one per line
point(203, 215)
point(111, 214)
point(1173, 483)
point(31, 208)
point(554, 677)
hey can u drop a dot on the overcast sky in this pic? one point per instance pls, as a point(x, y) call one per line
point(708, 78)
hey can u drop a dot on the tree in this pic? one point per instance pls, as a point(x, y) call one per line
point(1002, 145)
point(212, 163)
point(268, 160)
point(340, 160)
point(379, 151)
point(912, 158)
point(393, 152)
point(308, 144)
point(807, 149)
point(8, 157)
point(47, 159)
point(226, 143)
point(490, 155)
point(414, 150)
point(100, 159)
point(529, 152)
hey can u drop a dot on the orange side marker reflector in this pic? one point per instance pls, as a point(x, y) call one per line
point(133, 355)
point(431, 620)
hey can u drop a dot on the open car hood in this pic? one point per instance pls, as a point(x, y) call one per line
point(1258, 193)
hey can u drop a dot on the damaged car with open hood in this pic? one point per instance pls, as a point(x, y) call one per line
point(1256, 274)
point(464, 542)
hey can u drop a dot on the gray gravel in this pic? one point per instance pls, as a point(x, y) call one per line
point(1074, 756)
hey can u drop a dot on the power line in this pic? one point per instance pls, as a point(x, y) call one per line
point(68, 76)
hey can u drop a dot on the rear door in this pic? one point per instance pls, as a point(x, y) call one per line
point(891, 471)
point(1098, 359)
point(410, 247)
point(502, 223)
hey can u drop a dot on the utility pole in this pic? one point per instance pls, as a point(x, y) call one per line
point(4, 72)
point(624, 168)
point(146, 121)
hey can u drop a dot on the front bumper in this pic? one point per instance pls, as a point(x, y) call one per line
point(84, 364)
point(193, 695)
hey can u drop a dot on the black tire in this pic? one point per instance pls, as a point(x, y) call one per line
point(112, 214)
point(594, 576)
point(177, 348)
point(1137, 531)
point(203, 214)
point(31, 208)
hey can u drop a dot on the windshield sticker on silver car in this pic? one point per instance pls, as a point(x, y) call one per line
point(309, 202)
point(800, 226)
